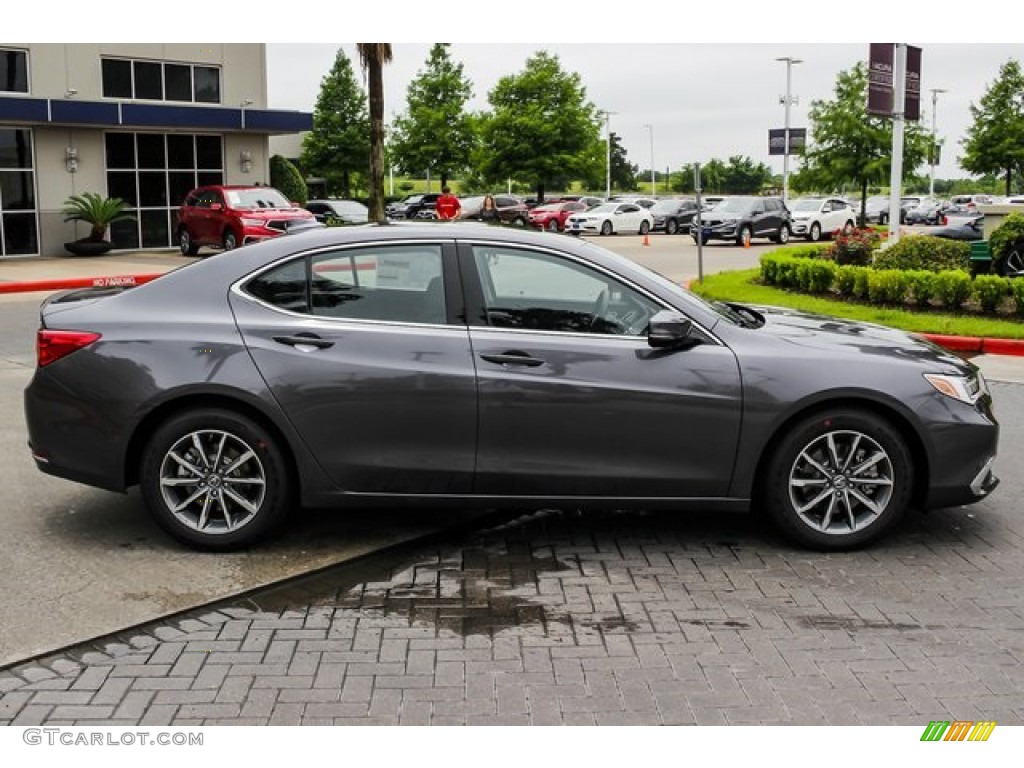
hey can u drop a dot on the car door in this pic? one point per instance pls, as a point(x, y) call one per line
point(573, 402)
point(363, 348)
point(835, 216)
point(627, 218)
point(760, 219)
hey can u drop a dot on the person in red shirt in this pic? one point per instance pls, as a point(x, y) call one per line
point(447, 206)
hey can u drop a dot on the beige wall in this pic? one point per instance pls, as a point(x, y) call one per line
point(54, 68)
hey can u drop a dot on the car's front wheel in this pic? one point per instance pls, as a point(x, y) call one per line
point(606, 227)
point(814, 233)
point(230, 241)
point(745, 235)
point(214, 479)
point(645, 227)
point(783, 235)
point(839, 479)
point(671, 226)
point(185, 242)
point(553, 225)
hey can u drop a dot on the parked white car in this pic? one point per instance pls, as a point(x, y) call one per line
point(817, 217)
point(611, 219)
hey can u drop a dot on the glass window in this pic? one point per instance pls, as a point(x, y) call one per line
point(16, 191)
point(285, 287)
point(155, 232)
point(19, 234)
point(120, 150)
point(539, 291)
point(208, 152)
point(152, 189)
point(178, 82)
point(15, 148)
point(181, 151)
point(117, 78)
point(207, 83)
point(13, 71)
point(180, 183)
point(122, 184)
point(149, 80)
point(151, 150)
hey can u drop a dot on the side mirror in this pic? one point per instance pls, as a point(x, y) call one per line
point(669, 330)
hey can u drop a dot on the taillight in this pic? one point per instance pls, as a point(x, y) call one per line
point(53, 345)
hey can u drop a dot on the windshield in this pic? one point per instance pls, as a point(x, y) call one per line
point(606, 208)
point(733, 205)
point(805, 205)
point(258, 197)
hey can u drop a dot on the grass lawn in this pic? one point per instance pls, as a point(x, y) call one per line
point(739, 286)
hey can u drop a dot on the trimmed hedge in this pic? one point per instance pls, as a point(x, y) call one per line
point(935, 254)
point(921, 287)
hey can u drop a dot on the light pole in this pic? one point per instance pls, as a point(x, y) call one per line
point(607, 152)
point(935, 144)
point(654, 189)
point(788, 101)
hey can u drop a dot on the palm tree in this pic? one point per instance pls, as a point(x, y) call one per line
point(97, 211)
point(373, 57)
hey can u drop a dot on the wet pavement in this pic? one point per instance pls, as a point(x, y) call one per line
point(569, 617)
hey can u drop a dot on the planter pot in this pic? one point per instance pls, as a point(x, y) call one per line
point(88, 247)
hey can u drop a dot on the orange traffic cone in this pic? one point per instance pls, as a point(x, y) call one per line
point(647, 240)
point(746, 242)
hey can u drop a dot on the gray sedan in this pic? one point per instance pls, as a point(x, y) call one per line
point(461, 364)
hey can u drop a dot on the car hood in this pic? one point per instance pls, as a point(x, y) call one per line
point(268, 214)
point(825, 332)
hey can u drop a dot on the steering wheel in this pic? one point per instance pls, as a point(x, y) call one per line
point(600, 308)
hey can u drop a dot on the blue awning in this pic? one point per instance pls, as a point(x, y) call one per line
point(68, 112)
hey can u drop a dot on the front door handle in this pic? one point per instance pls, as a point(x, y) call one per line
point(514, 357)
point(304, 339)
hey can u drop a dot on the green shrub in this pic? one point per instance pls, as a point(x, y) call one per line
point(769, 268)
point(1017, 289)
point(786, 275)
point(821, 274)
point(935, 254)
point(288, 179)
point(922, 286)
point(845, 277)
point(855, 247)
point(887, 286)
point(860, 282)
point(953, 288)
point(818, 251)
point(990, 291)
point(1006, 236)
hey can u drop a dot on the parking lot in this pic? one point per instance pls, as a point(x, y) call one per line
point(543, 617)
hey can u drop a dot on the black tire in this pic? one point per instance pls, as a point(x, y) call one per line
point(645, 227)
point(883, 218)
point(814, 233)
point(745, 235)
point(783, 236)
point(833, 509)
point(230, 241)
point(671, 226)
point(553, 225)
point(848, 227)
point(245, 495)
point(185, 242)
point(606, 227)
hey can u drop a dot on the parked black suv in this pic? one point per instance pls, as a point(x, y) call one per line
point(744, 218)
point(672, 216)
point(408, 207)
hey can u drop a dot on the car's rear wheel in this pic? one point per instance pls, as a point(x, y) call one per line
point(606, 227)
point(214, 479)
point(230, 241)
point(671, 226)
point(839, 479)
point(185, 242)
point(814, 233)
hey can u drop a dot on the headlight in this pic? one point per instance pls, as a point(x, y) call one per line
point(253, 222)
point(966, 389)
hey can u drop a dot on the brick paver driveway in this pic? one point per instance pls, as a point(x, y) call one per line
point(596, 618)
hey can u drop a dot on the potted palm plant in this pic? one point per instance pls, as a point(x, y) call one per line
point(99, 213)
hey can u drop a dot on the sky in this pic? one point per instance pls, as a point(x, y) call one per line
point(702, 101)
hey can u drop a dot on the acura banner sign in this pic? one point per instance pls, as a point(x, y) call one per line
point(777, 141)
point(880, 81)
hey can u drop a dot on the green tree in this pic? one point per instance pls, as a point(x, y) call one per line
point(849, 146)
point(542, 128)
point(593, 168)
point(436, 133)
point(995, 144)
point(742, 176)
point(288, 179)
point(339, 144)
point(373, 57)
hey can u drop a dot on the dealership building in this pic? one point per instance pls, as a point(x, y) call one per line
point(144, 122)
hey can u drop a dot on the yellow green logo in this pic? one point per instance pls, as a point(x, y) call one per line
point(958, 730)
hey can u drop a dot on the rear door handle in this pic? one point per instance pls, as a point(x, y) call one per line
point(514, 357)
point(304, 340)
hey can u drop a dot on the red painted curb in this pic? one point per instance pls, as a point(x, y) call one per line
point(955, 343)
point(25, 286)
point(1003, 346)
